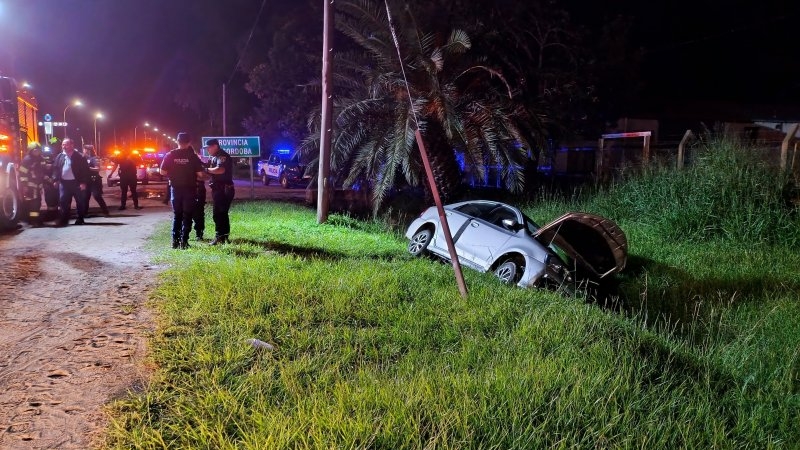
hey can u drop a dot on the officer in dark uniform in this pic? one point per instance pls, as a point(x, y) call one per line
point(199, 216)
point(95, 181)
point(183, 167)
point(222, 192)
point(50, 188)
point(31, 179)
point(126, 165)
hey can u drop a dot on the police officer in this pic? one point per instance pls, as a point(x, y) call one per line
point(199, 216)
point(222, 192)
point(95, 181)
point(183, 167)
point(126, 165)
point(31, 179)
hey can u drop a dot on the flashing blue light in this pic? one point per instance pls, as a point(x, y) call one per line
point(283, 151)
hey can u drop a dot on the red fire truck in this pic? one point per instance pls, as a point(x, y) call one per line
point(18, 127)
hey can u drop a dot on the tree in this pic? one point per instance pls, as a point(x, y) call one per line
point(284, 74)
point(460, 105)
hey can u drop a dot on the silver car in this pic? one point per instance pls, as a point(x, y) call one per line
point(493, 236)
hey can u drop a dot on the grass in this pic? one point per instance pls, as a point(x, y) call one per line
point(375, 349)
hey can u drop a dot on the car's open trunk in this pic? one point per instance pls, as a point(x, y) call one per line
point(595, 243)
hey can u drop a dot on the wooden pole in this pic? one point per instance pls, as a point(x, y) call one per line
point(448, 237)
point(598, 171)
point(682, 147)
point(326, 121)
point(785, 144)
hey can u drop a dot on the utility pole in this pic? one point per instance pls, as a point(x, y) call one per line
point(326, 121)
point(224, 113)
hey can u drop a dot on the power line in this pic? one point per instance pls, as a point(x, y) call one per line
point(244, 50)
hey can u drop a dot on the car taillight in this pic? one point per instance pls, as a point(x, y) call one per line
point(141, 166)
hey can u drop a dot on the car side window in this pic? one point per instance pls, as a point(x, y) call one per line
point(499, 214)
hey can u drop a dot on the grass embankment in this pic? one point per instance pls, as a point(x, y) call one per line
point(377, 350)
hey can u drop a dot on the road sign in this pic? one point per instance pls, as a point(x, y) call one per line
point(48, 128)
point(236, 146)
point(48, 118)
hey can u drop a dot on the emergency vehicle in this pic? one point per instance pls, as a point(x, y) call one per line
point(18, 127)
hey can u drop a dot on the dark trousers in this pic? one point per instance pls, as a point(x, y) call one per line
point(51, 197)
point(222, 197)
point(68, 190)
point(95, 190)
point(124, 184)
point(183, 205)
point(32, 208)
point(199, 216)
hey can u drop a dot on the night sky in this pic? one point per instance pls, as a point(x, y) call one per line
point(123, 57)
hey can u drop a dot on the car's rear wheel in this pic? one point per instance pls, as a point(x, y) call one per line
point(509, 271)
point(284, 182)
point(418, 246)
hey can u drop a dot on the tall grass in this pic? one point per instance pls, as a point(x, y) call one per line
point(375, 349)
point(728, 193)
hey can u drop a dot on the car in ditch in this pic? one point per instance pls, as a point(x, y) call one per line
point(496, 237)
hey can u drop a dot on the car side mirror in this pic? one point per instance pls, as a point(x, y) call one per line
point(510, 224)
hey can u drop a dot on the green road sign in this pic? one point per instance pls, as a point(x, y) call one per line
point(236, 146)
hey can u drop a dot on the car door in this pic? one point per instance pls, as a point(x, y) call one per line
point(273, 166)
point(456, 221)
point(484, 238)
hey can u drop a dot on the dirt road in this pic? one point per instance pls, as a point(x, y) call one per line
point(73, 321)
point(72, 324)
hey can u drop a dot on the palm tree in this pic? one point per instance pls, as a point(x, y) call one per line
point(459, 104)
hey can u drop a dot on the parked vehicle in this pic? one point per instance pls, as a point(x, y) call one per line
point(283, 167)
point(18, 127)
point(493, 236)
point(152, 163)
point(141, 171)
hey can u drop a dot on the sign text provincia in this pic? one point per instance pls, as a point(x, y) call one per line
point(236, 146)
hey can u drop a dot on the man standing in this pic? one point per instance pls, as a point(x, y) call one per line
point(31, 179)
point(222, 191)
point(183, 167)
point(71, 174)
point(199, 216)
point(126, 164)
point(95, 181)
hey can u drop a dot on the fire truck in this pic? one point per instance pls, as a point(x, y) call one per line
point(18, 127)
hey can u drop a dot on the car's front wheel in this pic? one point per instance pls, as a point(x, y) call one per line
point(284, 182)
point(509, 272)
point(264, 179)
point(418, 245)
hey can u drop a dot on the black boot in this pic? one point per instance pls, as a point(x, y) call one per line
point(184, 244)
point(175, 243)
point(222, 239)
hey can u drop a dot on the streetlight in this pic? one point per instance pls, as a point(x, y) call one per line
point(135, 142)
point(75, 103)
point(96, 145)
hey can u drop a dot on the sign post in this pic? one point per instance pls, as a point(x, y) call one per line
point(238, 147)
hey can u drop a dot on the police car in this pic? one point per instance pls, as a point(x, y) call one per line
point(141, 170)
point(283, 166)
